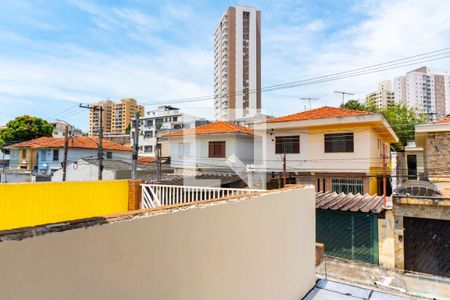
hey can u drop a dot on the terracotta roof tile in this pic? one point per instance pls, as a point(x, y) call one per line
point(320, 113)
point(349, 202)
point(443, 120)
point(82, 142)
point(211, 128)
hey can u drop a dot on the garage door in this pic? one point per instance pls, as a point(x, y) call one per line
point(427, 246)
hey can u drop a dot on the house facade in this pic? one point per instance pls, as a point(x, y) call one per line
point(45, 155)
point(218, 145)
point(428, 158)
point(335, 149)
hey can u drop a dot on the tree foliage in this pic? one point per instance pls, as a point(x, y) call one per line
point(354, 104)
point(25, 128)
point(399, 115)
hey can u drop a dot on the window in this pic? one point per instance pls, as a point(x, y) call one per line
point(24, 153)
point(148, 134)
point(346, 186)
point(108, 155)
point(217, 149)
point(43, 155)
point(55, 154)
point(287, 144)
point(339, 142)
point(148, 148)
point(184, 149)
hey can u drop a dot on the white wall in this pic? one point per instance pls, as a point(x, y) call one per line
point(239, 145)
point(260, 248)
point(74, 154)
point(312, 156)
point(83, 172)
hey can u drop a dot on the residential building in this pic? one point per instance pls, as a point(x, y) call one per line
point(116, 116)
point(237, 64)
point(426, 89)
point(383, 97)
point(94, 117)
point(428, 157)
point(336, 149)
point(59, 130)
point(46, 154)
point(215, 146)
point(157, 122)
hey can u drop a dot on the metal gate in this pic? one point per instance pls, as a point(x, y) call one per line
point(347, 234)
point(427, 246)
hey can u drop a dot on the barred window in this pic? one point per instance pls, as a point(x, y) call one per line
point(339, 142)
point(346, 186)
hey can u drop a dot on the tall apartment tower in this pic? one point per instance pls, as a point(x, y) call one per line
point(383, 97)
point(237, 64)
point(426, 89)
point(116, 116)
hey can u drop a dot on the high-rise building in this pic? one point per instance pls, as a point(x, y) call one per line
point(237, 64)
point(116, 116)
point(426, 89)
point(161, 120)
point(383, 97)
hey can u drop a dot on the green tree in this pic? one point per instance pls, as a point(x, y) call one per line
point(403, 119)
point(354, 104)
point(25, 128)
point(128, 129)
point(400, 116)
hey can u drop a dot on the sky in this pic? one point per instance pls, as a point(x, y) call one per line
point(57, 54)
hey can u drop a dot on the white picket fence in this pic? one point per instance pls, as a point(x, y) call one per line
point(154, 195)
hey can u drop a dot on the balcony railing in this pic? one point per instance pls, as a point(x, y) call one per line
point(155, 195)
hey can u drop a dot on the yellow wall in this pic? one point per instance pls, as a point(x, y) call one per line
point(29, 204)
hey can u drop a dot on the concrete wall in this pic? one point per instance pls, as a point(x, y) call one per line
point(262, 247)
point(82, 172)
point(47, 164)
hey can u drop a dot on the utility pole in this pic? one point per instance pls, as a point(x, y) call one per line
point(100, 138)
point(134, 156)
point(158, 157)
point(343, 95)
point(309, 100)
point(384, 174)
point(66, 148)
point(284, 163)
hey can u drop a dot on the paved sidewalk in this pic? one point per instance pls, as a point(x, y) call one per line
point(414, 285)
point(327, 290)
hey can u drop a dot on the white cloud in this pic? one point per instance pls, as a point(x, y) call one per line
point(299, 49)
point(392, 29)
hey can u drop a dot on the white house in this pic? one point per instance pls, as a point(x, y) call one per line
point(333, 148)
point(214, 146)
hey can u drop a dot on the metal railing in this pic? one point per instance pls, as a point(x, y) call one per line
point(155, 195)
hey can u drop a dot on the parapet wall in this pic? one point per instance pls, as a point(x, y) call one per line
point(255, 247)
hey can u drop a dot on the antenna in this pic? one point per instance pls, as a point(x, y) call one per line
point(309, 100)
point(343, 95)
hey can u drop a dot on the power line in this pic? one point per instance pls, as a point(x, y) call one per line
point(398, 63)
